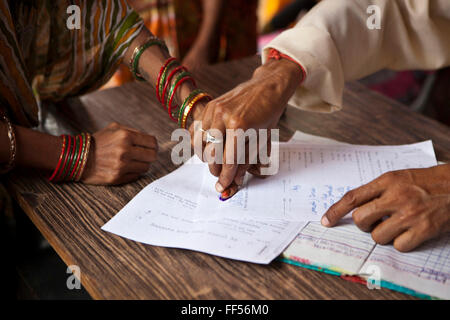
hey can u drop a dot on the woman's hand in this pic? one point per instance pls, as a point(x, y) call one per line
point(119, 155)
point(416, 203)
point(257, 103)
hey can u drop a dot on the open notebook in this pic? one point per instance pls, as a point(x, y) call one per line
point(352, 254)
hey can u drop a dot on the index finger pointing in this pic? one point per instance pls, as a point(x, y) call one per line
point(229, 166)
point(351, 200)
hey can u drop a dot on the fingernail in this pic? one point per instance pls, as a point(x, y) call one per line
point(325, 222)
point(219, 187)
point(225, 195)
point(239, 180)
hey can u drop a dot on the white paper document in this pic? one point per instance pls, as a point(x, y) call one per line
point(182, 209)
point(311, 178)
point(162, 215)
point(346, 249)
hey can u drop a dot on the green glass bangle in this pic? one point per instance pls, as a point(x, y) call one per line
point(177, 79)
point(165, 74)
point(186, 102)
point(139, 52)
point(74, 157)
point(69, 160)
point(79, 160)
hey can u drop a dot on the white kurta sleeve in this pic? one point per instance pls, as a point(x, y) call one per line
point(334, 44)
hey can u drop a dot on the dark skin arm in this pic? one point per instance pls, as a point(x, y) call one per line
point(202, 51)
point(150, 64)
point(34, 149)
point(118, 155)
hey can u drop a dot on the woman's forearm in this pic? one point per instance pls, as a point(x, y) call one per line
point(150, 63)
point(212, 10)
point(34, 149)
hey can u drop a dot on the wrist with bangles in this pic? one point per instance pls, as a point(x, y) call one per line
point(4, 168)
point(170, 78)
point(73, 158)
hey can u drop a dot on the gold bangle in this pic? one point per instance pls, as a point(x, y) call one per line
point(12, 146)
point(190, 106)
point(136, 50)
point(85, 157)
point(83, 153)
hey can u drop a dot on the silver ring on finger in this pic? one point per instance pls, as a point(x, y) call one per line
point(210, 138)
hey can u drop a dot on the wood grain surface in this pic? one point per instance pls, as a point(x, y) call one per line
point(70, 215)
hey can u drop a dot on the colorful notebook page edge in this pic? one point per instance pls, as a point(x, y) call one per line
point(340, 273)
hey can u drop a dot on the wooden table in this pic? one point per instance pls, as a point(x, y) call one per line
point(70, 215)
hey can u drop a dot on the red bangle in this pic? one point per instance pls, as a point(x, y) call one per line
point(70, 160)
point(78, 156)
point(66, 157)
point(161, 71)
point(277, 55)
point(169, 78)
point(61, 156)
point(169, 105)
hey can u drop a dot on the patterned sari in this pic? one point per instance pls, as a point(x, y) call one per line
point(42, 59)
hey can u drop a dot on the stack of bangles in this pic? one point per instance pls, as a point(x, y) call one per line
point(73, 158)
point(170, 78)
point(12, 147)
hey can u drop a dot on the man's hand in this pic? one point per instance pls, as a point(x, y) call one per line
point(257, 104)
point(407, 207)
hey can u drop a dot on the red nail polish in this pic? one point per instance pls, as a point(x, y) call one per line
point(225, 195)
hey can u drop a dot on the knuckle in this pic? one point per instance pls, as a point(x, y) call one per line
point(332, 213)
point(429, 226)
point(214, 171)
point(235, 122)
point(111, 179)
point(408, 211)
point(123, 135)
point(412, 209)
point(225, 180)
point(387, 177)
point(358, 218)
point(375, 237)
point(350, 198)
point(394, 176)
point(397, 174)
point(218, 107)
point(121, 152)
point(117, 177)
point(118, 165)
point(400, 246)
